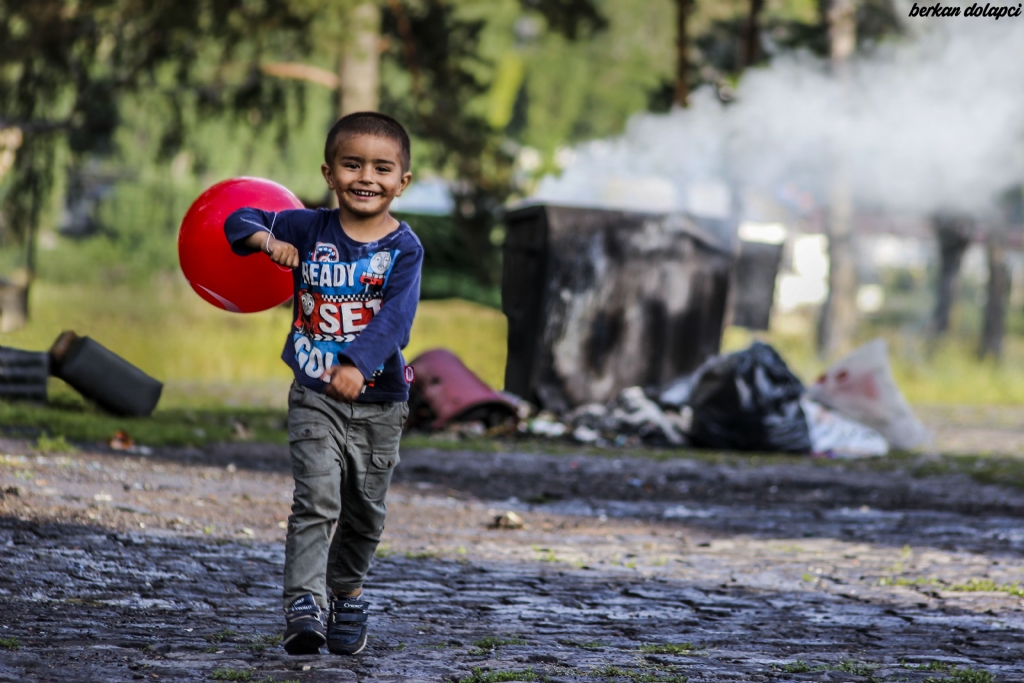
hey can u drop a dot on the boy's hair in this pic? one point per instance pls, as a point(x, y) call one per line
point(369, 123)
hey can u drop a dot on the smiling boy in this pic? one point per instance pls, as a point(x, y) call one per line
point(356, 284)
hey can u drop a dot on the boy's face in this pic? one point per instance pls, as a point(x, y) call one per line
point(366, 174)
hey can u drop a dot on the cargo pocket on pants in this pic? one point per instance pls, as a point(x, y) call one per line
point(378, 474)
point(308, 444)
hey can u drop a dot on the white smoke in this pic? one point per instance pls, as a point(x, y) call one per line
point(934, 121)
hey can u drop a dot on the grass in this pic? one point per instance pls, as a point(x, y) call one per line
point(492, 642)
point(169, 332)
point(229, 674)
point(637, 676)
point(263, 642)
point(970, 586)
point(219, 636)
point(951, 674)
point(668, 649)
point(481, 676)
point(10, 643)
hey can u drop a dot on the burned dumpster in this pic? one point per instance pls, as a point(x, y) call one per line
point(600, 300)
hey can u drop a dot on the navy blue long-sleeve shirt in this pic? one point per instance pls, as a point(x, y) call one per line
point(352, 299)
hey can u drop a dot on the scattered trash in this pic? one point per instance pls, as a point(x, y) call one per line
point(861, 388)
point(546, 424)
point(749, 401)
point(445, 390)
point(507, 520)
point(241, 431)
point(101, 375)
point(121, 441)
point(838, 437)
point(23, 375)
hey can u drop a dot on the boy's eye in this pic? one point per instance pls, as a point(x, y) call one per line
point(383, 169)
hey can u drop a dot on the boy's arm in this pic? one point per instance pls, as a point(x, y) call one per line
point(389, 328)
point(281, 253)
point(251, 230)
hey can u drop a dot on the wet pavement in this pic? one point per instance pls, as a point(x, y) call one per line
point(628, 570)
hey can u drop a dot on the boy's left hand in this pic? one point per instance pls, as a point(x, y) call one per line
point(345, 382)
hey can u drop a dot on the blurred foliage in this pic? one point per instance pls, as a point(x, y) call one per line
point(65, 66)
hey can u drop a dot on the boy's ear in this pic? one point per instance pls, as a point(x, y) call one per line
point(406, 179)
point(328, 176)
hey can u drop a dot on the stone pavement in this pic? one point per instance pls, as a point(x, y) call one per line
point(629, 570)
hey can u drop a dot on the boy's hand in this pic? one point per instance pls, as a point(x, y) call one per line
point(345, 382)
point(281, 253)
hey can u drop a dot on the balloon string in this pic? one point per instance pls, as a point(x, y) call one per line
point(270, 233)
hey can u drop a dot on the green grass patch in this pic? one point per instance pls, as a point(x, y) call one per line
point(969, 586)
point(263, 642)
point(10, 643)
point(219, 636)
point(166, 330)
point(492, 642)
point(481, 676)
point(797, 667)
point(229, 674)
point(988, 585)
point(55, 426)
point(637, 676)
point(963, 676)
point(668, 649)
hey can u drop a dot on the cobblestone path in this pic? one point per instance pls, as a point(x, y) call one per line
point(630, 584)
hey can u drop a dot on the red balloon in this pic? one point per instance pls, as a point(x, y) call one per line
point(240, 284)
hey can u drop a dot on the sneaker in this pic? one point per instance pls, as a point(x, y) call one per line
point(346, 626)
point(304, 633)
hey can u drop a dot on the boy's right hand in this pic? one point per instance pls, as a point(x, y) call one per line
point(282, 253)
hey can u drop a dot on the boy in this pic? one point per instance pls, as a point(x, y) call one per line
point(357, 280)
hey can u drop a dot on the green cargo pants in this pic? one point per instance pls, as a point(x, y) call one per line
point(343, 455)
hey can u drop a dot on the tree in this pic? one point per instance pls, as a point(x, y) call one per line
point(681, 92)
point(64, 65)
point(954, 234)
point(997, 297)
point(439, 49)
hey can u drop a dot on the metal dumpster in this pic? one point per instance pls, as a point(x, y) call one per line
point(600, 300)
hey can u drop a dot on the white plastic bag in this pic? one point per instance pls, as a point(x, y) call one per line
point(838, 436)
point(861, 387)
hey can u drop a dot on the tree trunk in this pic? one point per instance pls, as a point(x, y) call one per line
point(681, 95)
point(750, 43)
point(998, 294)
point(837, 323)
point(954, 235)
point(359, 72)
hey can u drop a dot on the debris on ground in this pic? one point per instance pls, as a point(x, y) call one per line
point(507, 520)
point(835, 436)
point(122, 441)
point(748, 400)
point(102, 376)
point(445, 391)
point(23, 375)
point(861, 387)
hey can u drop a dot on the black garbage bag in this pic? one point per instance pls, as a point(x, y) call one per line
point(749, 401)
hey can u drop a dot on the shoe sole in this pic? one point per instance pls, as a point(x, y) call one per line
point(305, 643)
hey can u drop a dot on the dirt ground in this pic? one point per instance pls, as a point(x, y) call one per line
point(117, 567)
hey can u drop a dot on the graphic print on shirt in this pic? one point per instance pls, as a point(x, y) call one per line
point(336, 302)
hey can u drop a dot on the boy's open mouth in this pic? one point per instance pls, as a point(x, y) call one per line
point(364, 193)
